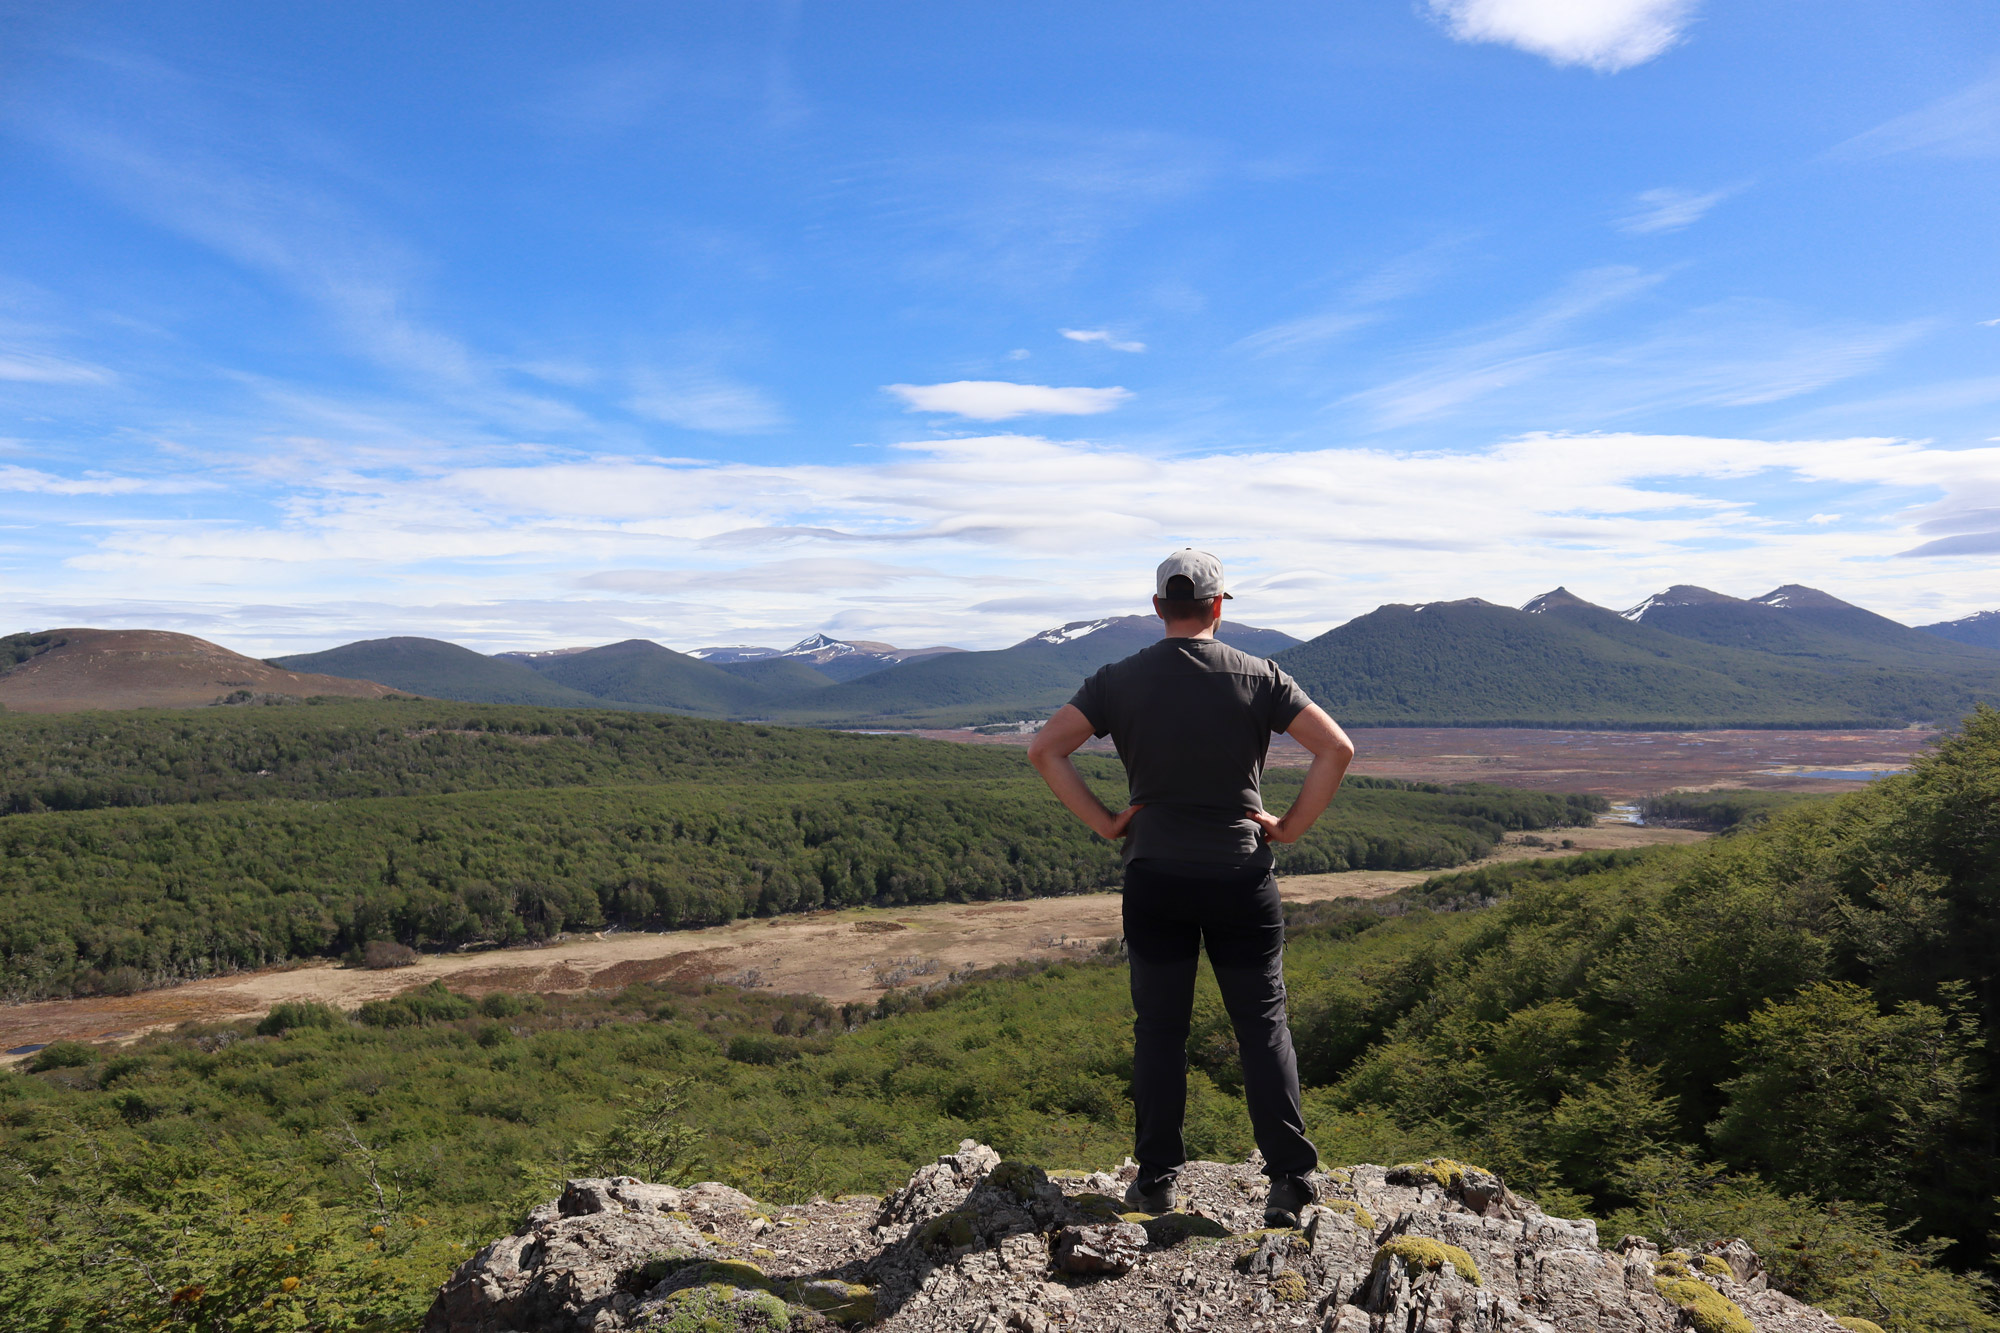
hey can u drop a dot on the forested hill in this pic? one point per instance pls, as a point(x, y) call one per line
point(1679, 661)
point(423, 747)
point(152, 847)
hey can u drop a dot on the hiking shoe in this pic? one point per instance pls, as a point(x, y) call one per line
point(1289, 1196)
point(1155, 1197)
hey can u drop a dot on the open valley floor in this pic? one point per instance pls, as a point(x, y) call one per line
point(841, 955)
point(1623, 765)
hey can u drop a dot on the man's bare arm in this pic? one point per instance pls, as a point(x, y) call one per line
point(1050, 753)
point(1331, 752)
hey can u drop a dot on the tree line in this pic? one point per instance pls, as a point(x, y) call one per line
point(114, 900)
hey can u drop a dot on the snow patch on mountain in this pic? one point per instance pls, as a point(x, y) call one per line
point(1070, 633)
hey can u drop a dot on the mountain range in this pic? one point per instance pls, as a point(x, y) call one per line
point(1684, 657)
point(1982, 629)
point(814, 682)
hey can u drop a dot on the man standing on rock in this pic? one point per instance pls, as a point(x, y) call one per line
point(1192, 719)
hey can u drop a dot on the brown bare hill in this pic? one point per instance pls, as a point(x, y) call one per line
point(68, 670)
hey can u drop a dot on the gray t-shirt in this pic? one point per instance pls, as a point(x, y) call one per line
point(1192, 720)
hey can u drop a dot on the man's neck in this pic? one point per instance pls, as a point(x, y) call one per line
point(1190, 630)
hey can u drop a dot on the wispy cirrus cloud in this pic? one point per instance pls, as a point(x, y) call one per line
point(33, 481)
point(1002, 400)
point(1561, 357)
point(1103, 337)
point(1604, 35)
point(706, 401)
point(253, 194)
point(1359, 304)
point(1964, 125)
point(24, 367)
point(1669, 209)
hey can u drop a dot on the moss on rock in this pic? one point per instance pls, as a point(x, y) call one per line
point(842, 1302)
point(1447, 1173)
point(720, 1308)
point(1350, 1208)
point(737, 1273)
point(1856, 1324)
point(1715, 1267)
point(948, 1231)
point(1017, 1178)
point(1429, 1255)
point(1290, 1287)
point(1706, 1308)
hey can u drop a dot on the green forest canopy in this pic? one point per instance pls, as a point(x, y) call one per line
point(1779, 1034)
point(177, 845)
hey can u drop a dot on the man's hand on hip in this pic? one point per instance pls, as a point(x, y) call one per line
point(1120, 824)
point(1272, 828)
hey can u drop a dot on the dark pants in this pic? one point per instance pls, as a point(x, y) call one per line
point(1168, 917)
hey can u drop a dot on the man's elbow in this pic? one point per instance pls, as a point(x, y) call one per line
point(1040, 753)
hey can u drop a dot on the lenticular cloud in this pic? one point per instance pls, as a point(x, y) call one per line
point(1604, 35)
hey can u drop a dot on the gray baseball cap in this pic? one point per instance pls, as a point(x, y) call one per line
point(1202, 571)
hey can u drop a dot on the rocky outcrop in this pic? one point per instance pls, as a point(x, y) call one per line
point(974, 1244)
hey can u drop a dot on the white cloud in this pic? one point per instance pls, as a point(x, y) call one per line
point(1963, 125)
point(904, 543)
point(1101, 336)
point(1669, 209)
point(1001, 400)
point(1604, 35)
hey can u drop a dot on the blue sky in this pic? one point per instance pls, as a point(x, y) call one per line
point(531, 325)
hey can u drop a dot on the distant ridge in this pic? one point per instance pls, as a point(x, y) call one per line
point(1032, 678)
point(1686, 656)
point(639, 671)
point(835, 659)
point(67, 670)
point(441, 670)
point(1981, 629)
